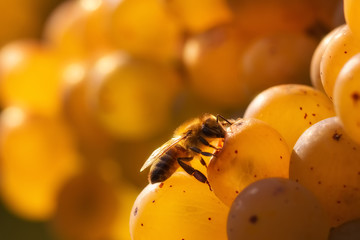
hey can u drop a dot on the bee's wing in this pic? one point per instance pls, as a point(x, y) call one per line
point(161, 150)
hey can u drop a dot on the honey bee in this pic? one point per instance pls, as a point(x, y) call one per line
point(187, 142)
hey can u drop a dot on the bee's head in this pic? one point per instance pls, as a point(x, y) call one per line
point(212, 128)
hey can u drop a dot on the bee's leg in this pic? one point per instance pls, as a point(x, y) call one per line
point(206, 143)
point(202, 161)
point(197, 150)
point(193, 172)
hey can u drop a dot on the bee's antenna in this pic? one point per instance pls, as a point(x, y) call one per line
point(223, 118)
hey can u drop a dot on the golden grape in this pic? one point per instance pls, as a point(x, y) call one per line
point(347, 97)
point(340, 49)
point(179, 208)
point(326, 161)
point(282, 57)
point(37, 155)
point(277, 208)
point(30, 77)
point(87, 206)
point(201, 15)
point(316, 59)
point(252, 150)
point(131, 97)
point(352, 16)
point(290, 109)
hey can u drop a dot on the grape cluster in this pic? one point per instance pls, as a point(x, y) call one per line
point(289, 167)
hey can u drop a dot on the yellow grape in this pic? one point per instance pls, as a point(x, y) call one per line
point(146, 29)
point(277, 208)
point(347, 97)
point(290, 109)
point(326, 161)
point(273, 16)
point(212, 62)
point(132, 98)
point(277, 59)
point(201, 15)
point(316, 59)
point(179, 208)
point(346, 231)
point(30, 77)
point(92, 139)
point(252, 150)
point(37, 155)
point(79, 29)
point(352, 16)
point(87, 206)
point(340, 49)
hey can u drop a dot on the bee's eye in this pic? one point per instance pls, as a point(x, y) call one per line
point(213, 131)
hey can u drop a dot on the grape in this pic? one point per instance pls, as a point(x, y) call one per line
point(30, 77)
point(340, 49)
point(212, 61)
point(352, 13)
point(316, 59)
point(145, 29)
point(326, 161)
point(347, 97)
point(346, 231)
point(79, 29)
point(86, 208)
point(290, 109)
point(179, 208)
point(37, 155)
point(252, 150)
point(273, 16)
point(201, 15)
point(92, 139)
point(132, 98)
point(276, 208)
point(282, 58)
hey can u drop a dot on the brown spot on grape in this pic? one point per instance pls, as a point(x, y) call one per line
point(300, 108)
point(280, 157)
point(135, 211)
point(305, 116)
point(184, 191)
point(338, 201)
point(311, 168)
point(170, 186)
point(319, 182)
point(142, 224)
point(278, 190)
point(255, 176)
point(161, 185)
point(236, 191)
point(209, 218)
point(153, 201)
point(313, 114)
point(345, 52)
point(218, 169)
point(236, 151)
point(296, 180)
point(318, 105)
point(344, 186)
point(310, 123)
point(336, 136)
point(253, 219)
point(355, 97)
